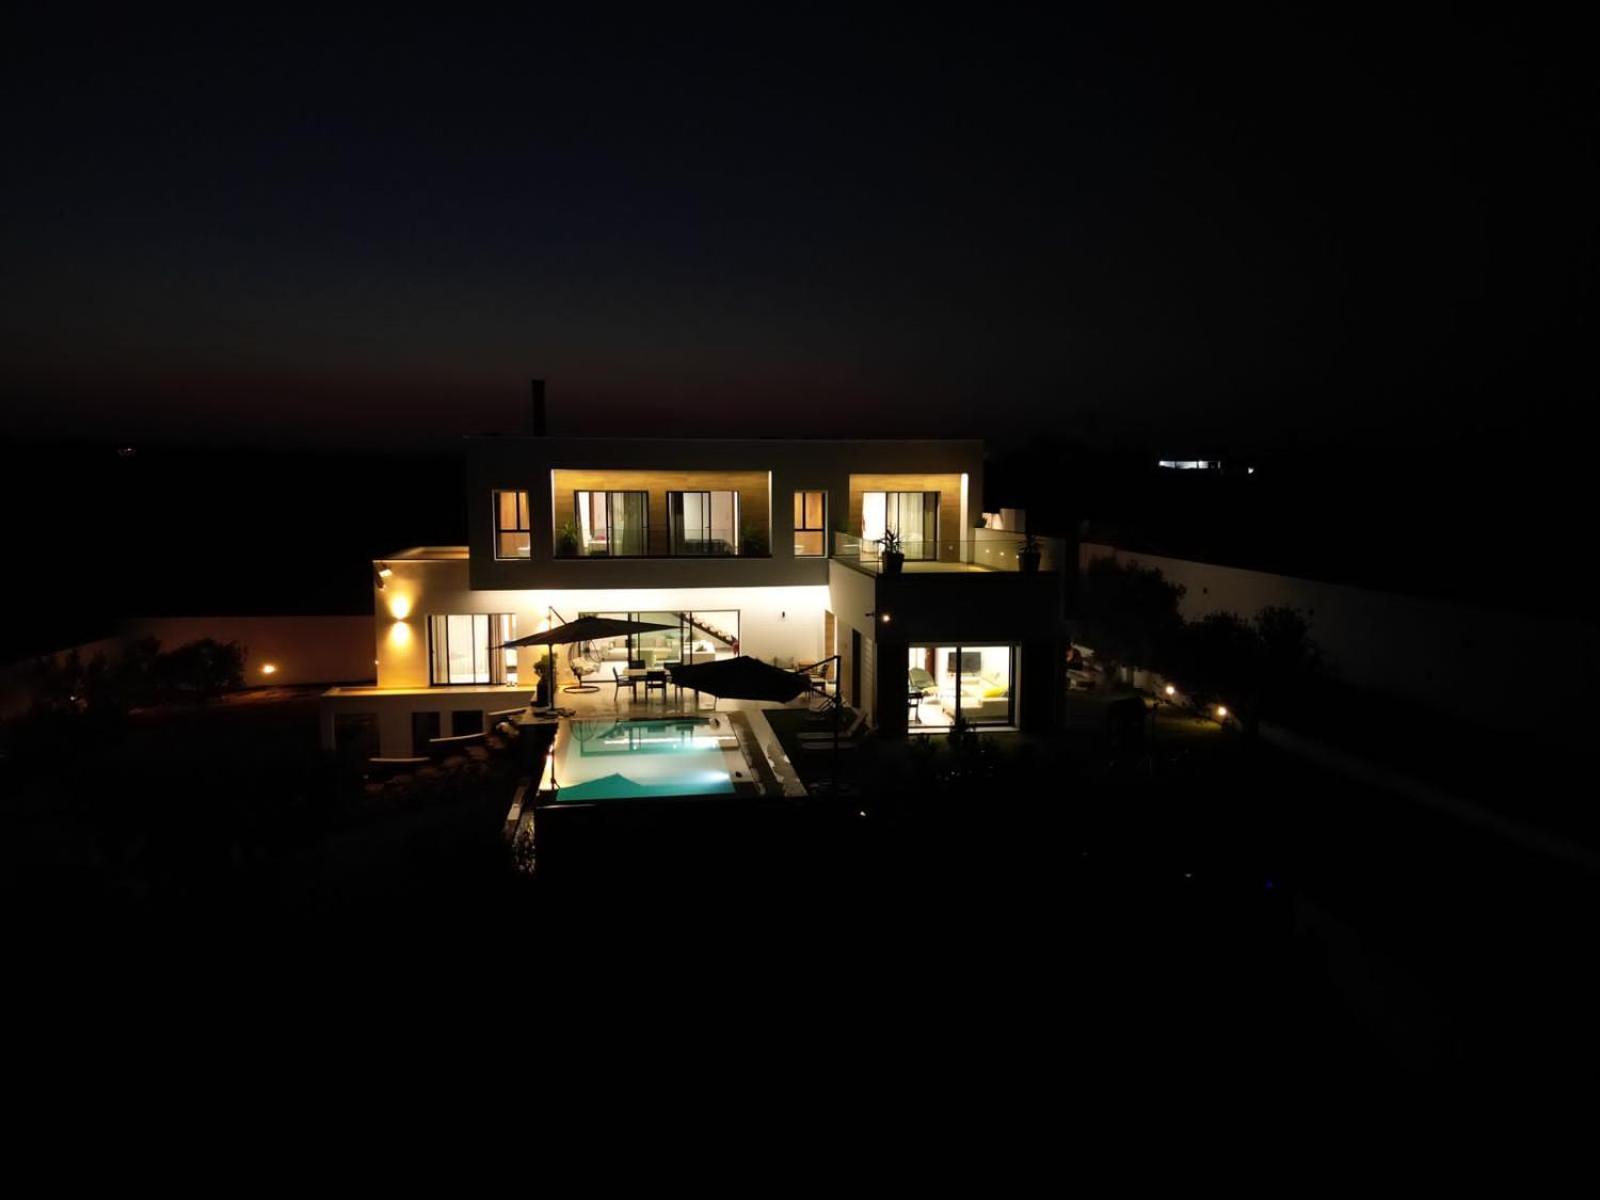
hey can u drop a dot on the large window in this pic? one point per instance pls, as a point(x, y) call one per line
point(974, 683)
point(700, 636)
point(466, 648)
point(810, 524)
point(511, 539)
point(703, 522)
point(613, 523)
point(912, 515)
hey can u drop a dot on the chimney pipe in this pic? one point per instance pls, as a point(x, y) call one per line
point(538, 408)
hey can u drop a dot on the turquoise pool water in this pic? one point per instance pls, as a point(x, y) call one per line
point(626, 760)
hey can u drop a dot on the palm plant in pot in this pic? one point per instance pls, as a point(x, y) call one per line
point(1029, 553)
point(892, 551)
point(567, 538)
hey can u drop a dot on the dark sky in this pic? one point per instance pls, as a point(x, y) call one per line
point(1267, 229)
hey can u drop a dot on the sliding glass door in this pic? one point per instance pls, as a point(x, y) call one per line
point(701, 636)
point(912, 515)
point(976, 684)
point(701, 523)
point(612, 523)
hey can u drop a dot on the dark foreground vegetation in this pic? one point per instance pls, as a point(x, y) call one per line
point(1137, 904)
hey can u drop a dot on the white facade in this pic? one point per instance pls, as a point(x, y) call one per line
point(783, 623)
point(774, 622)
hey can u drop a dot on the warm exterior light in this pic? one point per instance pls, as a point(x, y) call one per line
point(1222, 712)
point(1249, 470)
point(400, 607)
point(268, 669)
point(385, 570)
point(886, 618)
point(1171, 691)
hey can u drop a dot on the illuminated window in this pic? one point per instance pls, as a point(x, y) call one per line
point(912, 515)
point(612, 524)
point(973, 683)
point(810, 524)
point(462, 647)
point(700, 523)
point(511, 539)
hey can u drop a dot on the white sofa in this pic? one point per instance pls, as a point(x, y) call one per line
point(975, 706)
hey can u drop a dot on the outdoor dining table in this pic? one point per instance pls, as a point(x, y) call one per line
point(638, 674)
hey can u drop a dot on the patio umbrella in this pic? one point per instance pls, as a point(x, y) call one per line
point(584, 629)
point(741, 678)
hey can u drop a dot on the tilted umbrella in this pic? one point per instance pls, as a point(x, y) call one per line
point(742, 678)
point(584, 629)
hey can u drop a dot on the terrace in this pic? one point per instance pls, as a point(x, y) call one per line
point(988, 551)
point(660, 513)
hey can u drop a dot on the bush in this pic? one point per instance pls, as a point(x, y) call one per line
point(203, 669)
point(1259, 668)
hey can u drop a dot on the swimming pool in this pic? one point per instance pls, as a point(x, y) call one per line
point(604, 759)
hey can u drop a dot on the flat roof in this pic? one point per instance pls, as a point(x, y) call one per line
point(755, 439)
point(415, 553)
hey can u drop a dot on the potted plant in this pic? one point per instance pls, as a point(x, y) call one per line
point(893, 555)
point(541, 686)
point(567, 539)
point(1029, 553)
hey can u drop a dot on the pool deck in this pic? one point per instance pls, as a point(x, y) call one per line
point(761, 747)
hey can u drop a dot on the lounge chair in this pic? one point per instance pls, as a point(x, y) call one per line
point(826, 735)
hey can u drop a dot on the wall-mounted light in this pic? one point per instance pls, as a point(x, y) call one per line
point(1171, 691)
point(269, 669)
point(380, 572)
point(400, 607)
point(1222, 712)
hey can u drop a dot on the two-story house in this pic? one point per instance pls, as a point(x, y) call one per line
point(770, 548)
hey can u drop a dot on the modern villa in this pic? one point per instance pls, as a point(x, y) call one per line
point(767, 548)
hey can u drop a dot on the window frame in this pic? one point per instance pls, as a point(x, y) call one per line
point(800, 528)
point(1013, 662)
point(524, 526)
point(609, 494)
point(493, 661)
point(674, 546)
point(930, 501)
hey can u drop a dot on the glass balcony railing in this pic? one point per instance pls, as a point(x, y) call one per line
point(703, 542)
point(992, 551)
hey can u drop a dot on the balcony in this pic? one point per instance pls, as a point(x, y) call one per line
point(675, 542)
point(633, 514)
point(986, 552)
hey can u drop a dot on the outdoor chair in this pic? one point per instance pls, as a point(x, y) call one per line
point(624, 681)
point(811, 736)
point(655, 681)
